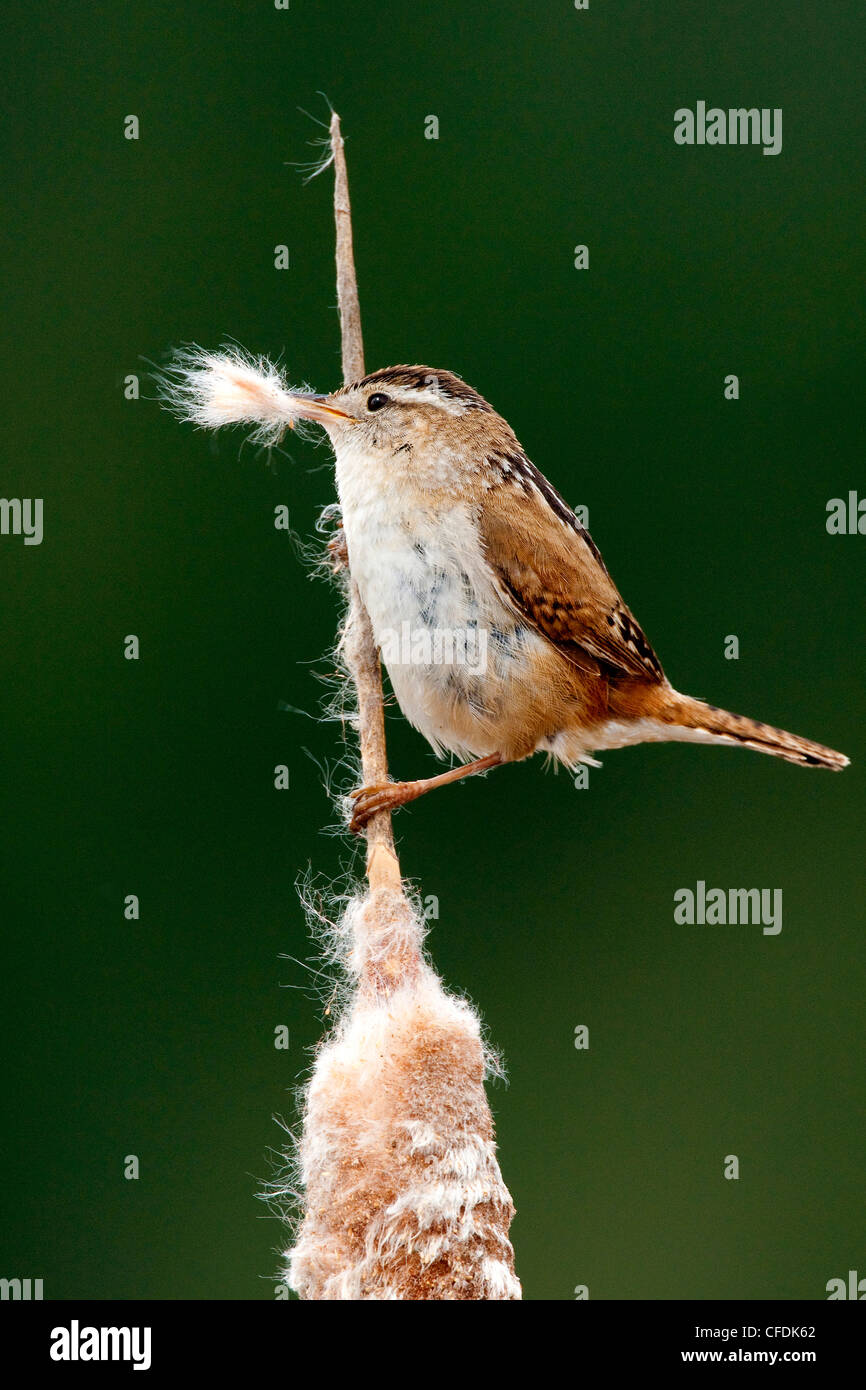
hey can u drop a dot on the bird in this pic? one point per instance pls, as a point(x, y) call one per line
point(501, 629)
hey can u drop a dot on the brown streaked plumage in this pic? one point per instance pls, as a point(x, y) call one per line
point(447, 521)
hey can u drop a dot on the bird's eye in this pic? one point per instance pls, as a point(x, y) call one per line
point(377, 400)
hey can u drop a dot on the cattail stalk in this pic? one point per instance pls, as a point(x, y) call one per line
point(402, 1196)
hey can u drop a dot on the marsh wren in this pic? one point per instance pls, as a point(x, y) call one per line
point(449, 528)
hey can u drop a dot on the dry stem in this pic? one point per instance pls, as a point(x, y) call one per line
point(383, 869)
point(403, 1194)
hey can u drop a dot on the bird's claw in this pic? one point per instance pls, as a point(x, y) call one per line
point(379, 796)
point(338, 551)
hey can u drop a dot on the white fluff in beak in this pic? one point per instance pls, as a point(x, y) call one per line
point(231, 387)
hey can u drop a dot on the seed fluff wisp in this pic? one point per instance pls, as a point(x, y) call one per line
point(231, 387)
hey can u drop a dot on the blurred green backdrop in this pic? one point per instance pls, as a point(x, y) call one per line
point(556, 905)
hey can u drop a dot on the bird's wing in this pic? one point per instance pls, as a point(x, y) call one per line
point(551, 571)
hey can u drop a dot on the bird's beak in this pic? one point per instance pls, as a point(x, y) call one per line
point(311, 407)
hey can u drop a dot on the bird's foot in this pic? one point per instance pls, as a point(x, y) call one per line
point(387, 796)
point(338, 551)
point(381, 796)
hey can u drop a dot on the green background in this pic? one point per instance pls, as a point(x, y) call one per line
point(556, 905)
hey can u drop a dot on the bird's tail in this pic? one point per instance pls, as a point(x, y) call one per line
point(700, 721)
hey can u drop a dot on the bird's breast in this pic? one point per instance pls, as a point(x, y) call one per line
point(451, 647)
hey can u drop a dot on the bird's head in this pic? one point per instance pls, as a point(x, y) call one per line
point(409, 417)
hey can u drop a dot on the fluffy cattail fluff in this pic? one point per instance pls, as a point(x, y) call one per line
point(230, 387)
point(400, 1192)
point(403, 1197)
